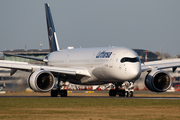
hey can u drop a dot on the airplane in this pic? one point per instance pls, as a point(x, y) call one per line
point(91, 66)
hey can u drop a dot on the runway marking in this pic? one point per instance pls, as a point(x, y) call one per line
point(89, 92)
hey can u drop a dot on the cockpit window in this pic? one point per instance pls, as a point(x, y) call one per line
point(127, 59)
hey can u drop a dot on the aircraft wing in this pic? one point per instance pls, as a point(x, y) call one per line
point(14, 66)
point(161, 64)
point(28, 57)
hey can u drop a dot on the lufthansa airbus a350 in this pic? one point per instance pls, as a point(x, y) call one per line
point(91, 66)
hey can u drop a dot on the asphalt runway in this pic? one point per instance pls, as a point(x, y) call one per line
point(102, 97)
point(95, 94)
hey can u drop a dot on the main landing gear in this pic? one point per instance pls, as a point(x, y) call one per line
point(123, 90)
point(58, 90)
point(55, 93)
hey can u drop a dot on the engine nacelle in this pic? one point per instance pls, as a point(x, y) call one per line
point(41, 81)
point(158, 81)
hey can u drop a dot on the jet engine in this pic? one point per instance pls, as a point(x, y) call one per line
point(41, 81)
point(158, 81)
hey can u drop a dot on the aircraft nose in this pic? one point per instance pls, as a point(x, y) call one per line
point(135, 72)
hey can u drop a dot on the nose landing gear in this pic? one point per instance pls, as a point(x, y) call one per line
point(122, 89)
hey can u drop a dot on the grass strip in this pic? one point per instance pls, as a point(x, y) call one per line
point(88, 109)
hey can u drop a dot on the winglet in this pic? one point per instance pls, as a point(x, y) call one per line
point(53, 43)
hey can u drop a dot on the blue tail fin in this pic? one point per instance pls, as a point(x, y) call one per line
point(53, 43)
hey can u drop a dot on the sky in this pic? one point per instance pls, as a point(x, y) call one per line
point(138, 24)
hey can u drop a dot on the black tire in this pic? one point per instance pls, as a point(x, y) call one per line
point(63, 93)
point(121, 93)
point(131, 93)
point(112, 93)
point(126, 94)
point(54, 93)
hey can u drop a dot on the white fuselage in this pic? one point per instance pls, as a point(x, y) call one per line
point(111, 64)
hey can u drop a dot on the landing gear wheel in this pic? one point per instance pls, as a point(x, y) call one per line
point(63, 93)
point(54, 93)
point(112, 92)
point(126, 94)
point(131, 93)
point(121, 93)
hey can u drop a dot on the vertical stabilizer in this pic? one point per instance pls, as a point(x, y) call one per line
point(53, 43)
